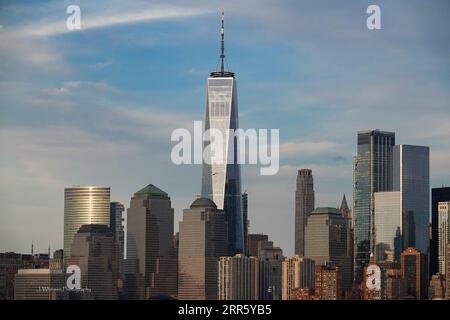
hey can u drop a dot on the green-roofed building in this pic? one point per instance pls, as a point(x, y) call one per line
point(149, 244)
point(151, 190)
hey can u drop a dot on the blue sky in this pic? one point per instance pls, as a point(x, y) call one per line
point(97, 106)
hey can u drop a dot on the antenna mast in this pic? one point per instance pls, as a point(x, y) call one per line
point(222, 47)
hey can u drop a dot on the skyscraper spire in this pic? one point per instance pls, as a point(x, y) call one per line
point(222, 73)
point(222, 45)
point(344, 205)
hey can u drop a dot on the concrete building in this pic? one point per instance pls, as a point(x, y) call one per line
point(93, 252)
point(304, 205)
point(328, 241)
point(443, 234)
point(302, 294)
point(447, 291)
point(414, 266)
point(297, 272)
point(243, 278)
point(38, 284)
point(254, 243)
point(328, 283)
point(10, 263)
point(149, 242)
point(260, 246)
point(84, 205)
point(202, 240)
point(437, 195)
point(436, 290)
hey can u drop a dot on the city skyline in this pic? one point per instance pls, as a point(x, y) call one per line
point(46, 151)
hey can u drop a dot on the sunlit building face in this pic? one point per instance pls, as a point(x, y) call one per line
point(84, 205)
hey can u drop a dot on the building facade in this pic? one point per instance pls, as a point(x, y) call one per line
point(414, 266)
point(37, 284)
point(304, 205)
point(116, 224)
point(388, 226)
point(298, 272)
point(84, 205)
point(443, 235)
point(328, 283)
point(327, 240)
point(203, 237)
point(93, 251)
point(260, 246)
point(254, 241)
point(242, 278)
point(372, 172)
point(221, 177)
point(437, 195)
point(245, 219)
point(436, 290)
point(411, 176)
point(149, 238)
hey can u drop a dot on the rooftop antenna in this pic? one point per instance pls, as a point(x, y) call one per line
point(222, 46)
point(222, 73)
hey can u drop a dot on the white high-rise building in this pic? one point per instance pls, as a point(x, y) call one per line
point(444, 217)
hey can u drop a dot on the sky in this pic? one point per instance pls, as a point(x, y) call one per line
point(97, 106)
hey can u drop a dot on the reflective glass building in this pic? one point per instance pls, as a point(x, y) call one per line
point(388, 226)
point(372, 172)
point(411, 172)
point(221, 179)
point(84, 205)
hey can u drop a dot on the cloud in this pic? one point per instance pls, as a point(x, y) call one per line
point(339, 158)
point(102, 64)
point(108, 20)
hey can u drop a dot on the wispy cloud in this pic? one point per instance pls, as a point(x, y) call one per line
point(87, 22)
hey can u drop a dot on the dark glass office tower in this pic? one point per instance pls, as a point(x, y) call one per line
point(437, 195)
point(372, 172)
point(221, 180)
point(411, 176)
point(116, 222)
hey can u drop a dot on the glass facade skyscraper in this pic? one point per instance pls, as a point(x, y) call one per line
point(221, 179)
point(372, 172)
point(84, 205)
point(388, 226)
point(116, 222)
point(411, 176)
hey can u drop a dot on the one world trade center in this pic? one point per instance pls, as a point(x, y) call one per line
point(221, 180)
